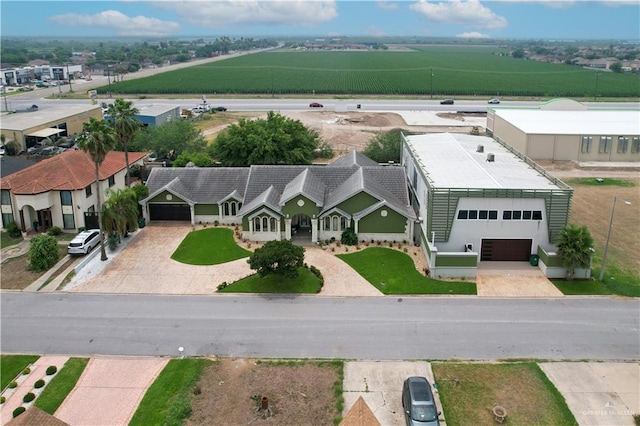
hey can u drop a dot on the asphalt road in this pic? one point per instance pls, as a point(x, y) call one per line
point(386, 328)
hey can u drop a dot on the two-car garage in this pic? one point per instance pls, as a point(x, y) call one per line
point(166, 211)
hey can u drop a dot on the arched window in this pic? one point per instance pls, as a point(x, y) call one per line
point(225, 208)
point(233, 209)
point(256, 224)
point(327, 223)
point(265, 224)
point(272, 224)
point(335, 222)
point(344, 223)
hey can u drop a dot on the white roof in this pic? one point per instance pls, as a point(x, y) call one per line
point(22, 121)
point(156, 109)
point(451, 160)
point(591, 122)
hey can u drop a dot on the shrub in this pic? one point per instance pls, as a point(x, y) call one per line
point(13, 230)
point(38, 384)
point(26, 371)
point(52, 369)
point(55, 230)
point(43, 252)
point(349, 237)
point(222, 285)
point(2, 399)
point(112, 241)
point(18, 411)
point(13, 385)
point(29, 397)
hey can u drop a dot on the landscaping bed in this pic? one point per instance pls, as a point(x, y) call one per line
point(17, 276)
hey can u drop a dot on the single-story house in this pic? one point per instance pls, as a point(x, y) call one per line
point(61, 190)
point(275, 202)
point(478, 200)
point(566, 130)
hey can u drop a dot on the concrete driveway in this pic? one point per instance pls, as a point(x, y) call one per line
point(379, 383)
point(602, 394)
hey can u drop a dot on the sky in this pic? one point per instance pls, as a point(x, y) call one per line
point(505, 19)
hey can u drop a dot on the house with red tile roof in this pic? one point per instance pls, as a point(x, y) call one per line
point(61, 190)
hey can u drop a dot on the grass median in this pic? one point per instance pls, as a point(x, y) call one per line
point(61, 385)
point(12, 365)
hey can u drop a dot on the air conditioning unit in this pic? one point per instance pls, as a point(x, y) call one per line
point(480, 148)
point(468, 247)
point(491, 158)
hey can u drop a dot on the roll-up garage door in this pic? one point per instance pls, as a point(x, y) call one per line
point(505, 250)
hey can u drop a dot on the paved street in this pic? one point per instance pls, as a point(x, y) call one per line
point(383, 328)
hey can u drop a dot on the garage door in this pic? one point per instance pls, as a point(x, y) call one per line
point(505, 250)
point(169, 212)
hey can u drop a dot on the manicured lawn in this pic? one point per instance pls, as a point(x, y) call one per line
point(61, 385)
point(168, 400)
point(210, 246)
point(468, 393)
point(306, 282)
point(581, 287)
point(6, 240)
point(393, 272)
point(12, 365)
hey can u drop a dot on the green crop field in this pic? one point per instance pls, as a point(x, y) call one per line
point(437, 70)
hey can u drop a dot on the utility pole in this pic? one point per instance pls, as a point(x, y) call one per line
point(69, 77)
point(431, 90)
point(595, 95)
point(109, 79)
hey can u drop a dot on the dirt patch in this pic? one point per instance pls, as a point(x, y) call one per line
point(298, 393)
point(16, 274)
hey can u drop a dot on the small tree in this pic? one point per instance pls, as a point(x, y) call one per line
point(43, 252)
point(385, 147)
point(575, 245)
point(277, 257)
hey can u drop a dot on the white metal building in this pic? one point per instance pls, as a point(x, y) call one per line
point(478, 200)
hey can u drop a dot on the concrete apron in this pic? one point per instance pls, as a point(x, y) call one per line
point(513, 279)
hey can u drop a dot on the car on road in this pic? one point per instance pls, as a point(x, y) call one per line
point(84, 242)
point(315, 105)
point(220, 109)
point(418, 403)
point(494, 101)
point(446, 102)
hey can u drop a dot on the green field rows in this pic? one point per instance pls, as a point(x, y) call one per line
point(437, 70)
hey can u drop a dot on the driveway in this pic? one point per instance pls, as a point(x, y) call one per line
point(145, 266)
point(513, 279)
point(598, 393)
point(379, 383)
point(109, 391)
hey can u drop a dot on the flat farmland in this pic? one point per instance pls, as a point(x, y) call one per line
point(443, 71)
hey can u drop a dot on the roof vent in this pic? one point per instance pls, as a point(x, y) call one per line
point(491, 158)
point(480, 148)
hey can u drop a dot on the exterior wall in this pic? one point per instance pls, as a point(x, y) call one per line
point(551, 266)
point(293, 207)
point(507, 132)
point(540, 147)
point(357, 203)
point(165, 197)
point(566, 148)
point(383, 224)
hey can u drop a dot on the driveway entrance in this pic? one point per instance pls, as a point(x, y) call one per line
point(513, 279)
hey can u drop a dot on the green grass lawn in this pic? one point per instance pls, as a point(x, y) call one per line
point(210, 246)
point(393, 272)
point(468, 393)
point(61, 385)
point(6, 240)
point(12, 365)
point(167, 401)
point(306, 282)
point(581, 287)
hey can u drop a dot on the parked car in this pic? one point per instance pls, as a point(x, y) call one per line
point(418, 403)
point(315, 105)
point(446, 102)
point(84, 242)
point(220, 109)
point(494, 101)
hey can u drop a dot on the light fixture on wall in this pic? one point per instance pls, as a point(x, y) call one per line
point(78, 207)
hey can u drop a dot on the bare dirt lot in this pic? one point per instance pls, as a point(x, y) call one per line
point(298, 393)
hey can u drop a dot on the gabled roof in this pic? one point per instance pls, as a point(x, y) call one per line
point(208, 185)
point(307, 184)
point(268, 198)
point(353, 158)
point(175, 187)
point(69, 171)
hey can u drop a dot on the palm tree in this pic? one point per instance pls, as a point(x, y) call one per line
point(575, 246)
point(122, 116)
point(97, 139)
point(120, 212)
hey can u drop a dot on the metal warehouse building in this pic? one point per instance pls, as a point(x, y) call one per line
point(566, 130)
point(478, 200)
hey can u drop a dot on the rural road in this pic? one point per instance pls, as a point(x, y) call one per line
point(383, 328)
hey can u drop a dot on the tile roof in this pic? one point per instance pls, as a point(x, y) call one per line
point(72, 170)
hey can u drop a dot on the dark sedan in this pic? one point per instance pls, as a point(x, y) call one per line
point(447, 102)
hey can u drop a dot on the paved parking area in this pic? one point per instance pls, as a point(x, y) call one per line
point(379, 383)
point(602, 394)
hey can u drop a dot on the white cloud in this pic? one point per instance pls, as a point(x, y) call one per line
point(120, 23)
point(221, 13)
point(469, 13)
point(384, 4)
point(473, 34)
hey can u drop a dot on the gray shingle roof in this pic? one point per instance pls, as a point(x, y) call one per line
point(307, 184)
point(353, 158)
